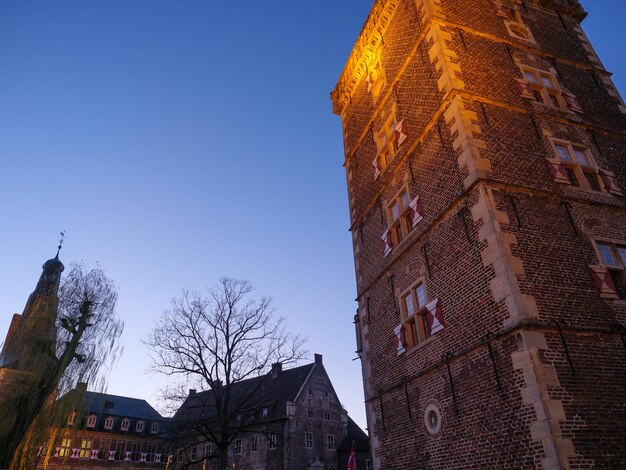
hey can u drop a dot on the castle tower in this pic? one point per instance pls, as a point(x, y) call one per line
point(485, 161)
point(28, 354)
point(31, 339)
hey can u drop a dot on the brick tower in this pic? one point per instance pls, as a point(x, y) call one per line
point(485, 156)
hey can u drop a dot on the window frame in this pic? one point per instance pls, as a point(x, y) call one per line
point(254, 445)
point(154, 428)
point(616, 269)
point(125, 424)
point(581, 175)
point(237, 447)
point(330, 442)
point(108, 423)
point(272, 439)
point(65, 449)
point(415, 323)
point(308, 440)
point(552, 95)
point(91, 420)
point(386, 141)
point(139, 426)
point(86, 446)
point(208, 449)
point(400, 225)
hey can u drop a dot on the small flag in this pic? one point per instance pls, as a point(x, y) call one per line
point(351, 459)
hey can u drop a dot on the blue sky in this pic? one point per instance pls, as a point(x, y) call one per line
point(180, 141)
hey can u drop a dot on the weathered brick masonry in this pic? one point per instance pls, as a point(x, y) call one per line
point(485, 158)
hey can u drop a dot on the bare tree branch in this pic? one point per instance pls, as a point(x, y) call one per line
point(213, 341)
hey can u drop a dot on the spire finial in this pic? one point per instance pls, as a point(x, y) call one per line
point(60, 243)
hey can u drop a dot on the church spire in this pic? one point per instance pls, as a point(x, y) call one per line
point(31, 340)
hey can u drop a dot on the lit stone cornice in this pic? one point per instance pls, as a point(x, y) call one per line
point(363, 52)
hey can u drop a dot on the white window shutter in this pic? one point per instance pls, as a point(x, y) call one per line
point(524, 88)
point(604, 283)
point(398, 332)
point(435, 316)
point(401, 132)
point(417, 213)
point(572, 102)
point(376, 165)
point(557, 169)
point(386, 238)
point(610, 182)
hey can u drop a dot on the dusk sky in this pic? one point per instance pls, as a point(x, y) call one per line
point(180, 141)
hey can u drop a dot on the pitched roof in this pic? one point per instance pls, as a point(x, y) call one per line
point(266, 391)
point(356, 435)
point(114, 405)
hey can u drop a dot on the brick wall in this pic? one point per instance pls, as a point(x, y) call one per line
point(505, 244)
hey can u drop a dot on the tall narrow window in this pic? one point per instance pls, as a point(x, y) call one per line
point(613, 256)
point(403, 214)
point(85, 448)
point(91, 421)
point(414, 315)
point(66, 447)
point(308, 440)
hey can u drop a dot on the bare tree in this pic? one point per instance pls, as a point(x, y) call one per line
point(214, 342)
point(87, 333)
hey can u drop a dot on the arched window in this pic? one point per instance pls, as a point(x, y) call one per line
point(125, 424)
point(139, 426)
point(108, 422)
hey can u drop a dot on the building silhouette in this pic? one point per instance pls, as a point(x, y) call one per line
point(485, 161)
point(285, 419)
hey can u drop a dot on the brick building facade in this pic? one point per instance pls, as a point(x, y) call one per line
point(292, 421)
point(485, 161)
point(101, 430)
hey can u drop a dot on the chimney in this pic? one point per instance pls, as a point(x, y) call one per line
point(277, 368)
point(318, 359)
point(192, 392)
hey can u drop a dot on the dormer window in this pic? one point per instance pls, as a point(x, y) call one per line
point(108, 422)
point(91, 421)
point(139, 426)
point(154, 428)
point(71, 418)
point(264, 412)
point(125, 424)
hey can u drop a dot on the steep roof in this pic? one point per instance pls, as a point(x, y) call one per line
point(271, 391)
point(356, 435)
point(114, 405)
